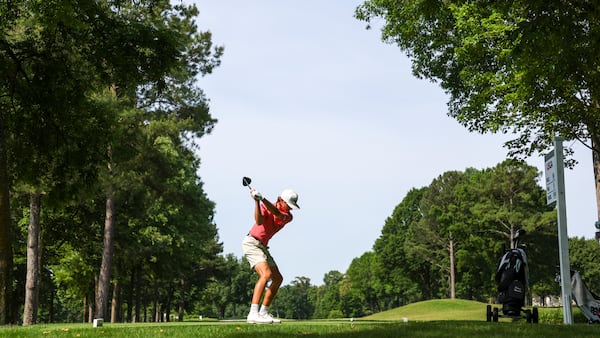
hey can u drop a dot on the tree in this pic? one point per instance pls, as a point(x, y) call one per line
point(6, 254)
point(363, 283)
point(103, 54)
point(163, 89)
point(49, 129)
point(404, 275)
point(328, 295)
point(507, 198)
point(165, 232)
point(295, 300)
point(524, 67)
point(462, 221)
point(444, 225)
point(585, 258)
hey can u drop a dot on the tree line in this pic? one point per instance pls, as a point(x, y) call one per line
point(444, 240)
point(100, 201)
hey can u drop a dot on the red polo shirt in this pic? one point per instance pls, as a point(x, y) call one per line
point(271, 225)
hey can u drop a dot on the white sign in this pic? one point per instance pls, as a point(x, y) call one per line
point(551, 179)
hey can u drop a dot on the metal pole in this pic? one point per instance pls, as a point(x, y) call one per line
point(563, 239)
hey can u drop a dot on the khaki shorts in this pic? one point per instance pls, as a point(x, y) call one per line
point(256, 252)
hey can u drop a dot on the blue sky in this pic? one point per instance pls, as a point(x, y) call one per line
point(308, 99)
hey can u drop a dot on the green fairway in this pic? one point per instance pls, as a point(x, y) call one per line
point(435, 318)
point(341, 328)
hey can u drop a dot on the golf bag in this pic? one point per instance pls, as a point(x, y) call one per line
point(588, 302)
point(512, 277)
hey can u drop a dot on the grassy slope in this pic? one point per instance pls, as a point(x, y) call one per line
point(465, 310)
point(438, 309)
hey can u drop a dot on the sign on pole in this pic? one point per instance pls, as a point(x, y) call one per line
point(555, 192)
point(551, 181)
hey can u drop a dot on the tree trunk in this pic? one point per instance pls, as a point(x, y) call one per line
point(130, 297)
point(452, 275)
point(114, 313)
point(180, 310)
point(168, 304)
point(138, 297)
point(33, 264)
point(107, 255)
point(6, 255)
point(155, 309)
point(51, 311)
point(84, 319)
point(90, 313)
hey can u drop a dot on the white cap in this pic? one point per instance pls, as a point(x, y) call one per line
point(291, 198)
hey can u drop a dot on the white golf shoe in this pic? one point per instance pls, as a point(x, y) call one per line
point(269, 317)
point(256, 318)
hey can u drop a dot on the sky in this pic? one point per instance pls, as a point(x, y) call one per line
point(308, 99)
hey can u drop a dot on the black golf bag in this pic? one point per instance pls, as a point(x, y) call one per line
point(511, 277)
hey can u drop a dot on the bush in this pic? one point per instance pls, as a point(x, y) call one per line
point(334, 314)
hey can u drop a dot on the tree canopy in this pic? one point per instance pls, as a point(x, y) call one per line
point(528, 68)
point(445, 239)
point(88, 86)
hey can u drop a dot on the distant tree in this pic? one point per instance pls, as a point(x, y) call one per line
point(227, 293)
point(585, 258)
point(363, 282)
point(463, 221)
point(296, 300)
point(351, 303)
point(529, 68)
point(242, 287)
point(328, 295)
point(404, 276)
point(230, 289)
point(507, 198)
point(445, 224)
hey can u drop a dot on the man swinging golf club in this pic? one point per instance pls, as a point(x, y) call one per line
point(269, 219)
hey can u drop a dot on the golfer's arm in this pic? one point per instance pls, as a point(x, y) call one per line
point(273, 209)
point(258, 217)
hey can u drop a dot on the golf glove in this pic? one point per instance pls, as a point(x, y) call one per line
point(256, 195)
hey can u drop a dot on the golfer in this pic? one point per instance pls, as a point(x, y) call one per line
point(269, 220)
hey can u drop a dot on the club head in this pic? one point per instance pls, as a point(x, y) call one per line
point(246, 181)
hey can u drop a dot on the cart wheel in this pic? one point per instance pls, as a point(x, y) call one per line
point(488, 313)
point(495, 314)
point(528, 316)
point(535, 317)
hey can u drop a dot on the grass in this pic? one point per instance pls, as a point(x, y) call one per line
point(465, 310)
point(438, 309)
point(436, 318)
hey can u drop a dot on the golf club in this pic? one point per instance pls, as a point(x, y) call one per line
point(246, 182)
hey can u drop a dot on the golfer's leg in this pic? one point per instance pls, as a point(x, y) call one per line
point(276, 280)
point(264, 274)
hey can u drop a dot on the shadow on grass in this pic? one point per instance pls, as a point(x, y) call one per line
point(340, 329)
point(417, 329)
